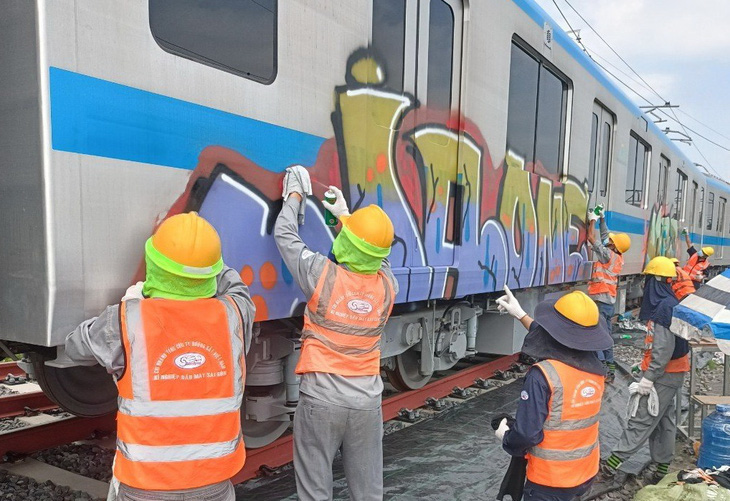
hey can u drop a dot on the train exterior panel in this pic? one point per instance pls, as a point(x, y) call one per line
point(480, 127)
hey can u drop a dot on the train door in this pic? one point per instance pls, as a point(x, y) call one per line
point(434, 77)
point(602, 122)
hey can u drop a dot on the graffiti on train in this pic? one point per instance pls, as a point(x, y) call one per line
point(462, 224)
point(661, 237)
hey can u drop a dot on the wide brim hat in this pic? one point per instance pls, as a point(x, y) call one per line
point(571, 334)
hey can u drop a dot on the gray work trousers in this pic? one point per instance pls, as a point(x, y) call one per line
point(222, 491)
point(320, 430)
point(660, 430)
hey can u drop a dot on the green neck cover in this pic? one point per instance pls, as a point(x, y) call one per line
point(357, 254)
point(163, 284)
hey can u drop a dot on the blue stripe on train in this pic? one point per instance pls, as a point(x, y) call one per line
point(97, 117)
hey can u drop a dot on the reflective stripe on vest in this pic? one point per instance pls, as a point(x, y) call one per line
point(569, 452)
point(674, 365)
point(696, 268)
point(682, 285)
point(343, 323)
point(178, 424)
point(605, 275)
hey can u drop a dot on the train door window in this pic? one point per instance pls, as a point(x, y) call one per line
point(692, 209)
point(638, 162)
point(678, 209)
point(710, 209)
point(237, 36)
point(702, 208)
point(440, 54)
point(593, 158)
point(721, 215)
point(605, 153)
point(388, 42)
point(661, 196)
point(536, 114)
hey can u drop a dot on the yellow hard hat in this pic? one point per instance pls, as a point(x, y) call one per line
point(708, 251)
point(661, 267)
point(372, 225)
point(579, 308)
point(621, 241)
point(674, 260)
point(186, 245)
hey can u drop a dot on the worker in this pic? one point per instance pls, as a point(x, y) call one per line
point(664, 364)
point(556, 425)
point(349, 301)
point(682, 284)
point(175, 346)
point(698, 260)
point(603, 286)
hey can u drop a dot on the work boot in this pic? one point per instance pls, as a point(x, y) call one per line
point(654, 473)
point(610, 376)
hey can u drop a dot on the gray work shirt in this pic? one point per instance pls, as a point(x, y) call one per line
point(602, 254)
point(353, 392)
point(99, 340)
point(662, 348)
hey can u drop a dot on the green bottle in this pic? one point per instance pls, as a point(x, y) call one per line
point(329, 218)
point(598, 209)
point(625, 336)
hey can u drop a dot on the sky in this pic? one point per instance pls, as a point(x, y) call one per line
point(680, 48)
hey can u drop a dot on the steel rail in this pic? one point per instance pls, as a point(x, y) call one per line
point(15, 405)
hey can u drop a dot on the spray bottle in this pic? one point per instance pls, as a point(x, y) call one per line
point(329, 218)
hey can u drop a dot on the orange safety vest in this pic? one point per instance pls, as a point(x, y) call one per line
point(696, 268)
point(682, 285)
point(569, 452)
point(680, 364)
point(343, 322)
point(605, 276)
point(179, 423)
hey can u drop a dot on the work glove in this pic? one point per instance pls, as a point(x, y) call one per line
point(339, 208)
point(592, 216)
point(645, 386)
point(296, 180)
point(508, 304)
point(685, 231)
point(503, 428)
point(134, 292)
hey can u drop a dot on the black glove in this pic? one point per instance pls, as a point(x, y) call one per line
point(498, 419)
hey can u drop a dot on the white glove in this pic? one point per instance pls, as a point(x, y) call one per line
point(592, 216)
point(685, 231)
point(339, 208)
point(645, 386)
point(509, 304)
point(134, 292)
point(503, 428)
point(296, 180)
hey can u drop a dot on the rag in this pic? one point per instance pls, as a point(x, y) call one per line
point(513, 483)
point(635, 398)
point(296, 180)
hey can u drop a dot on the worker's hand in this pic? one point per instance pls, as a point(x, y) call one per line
point(645, 386)
point(339, 208)
point(592, 216)
point(685, 231)
point(503, 428)
point(134, 292)
point(508, 304)
point(296, 180)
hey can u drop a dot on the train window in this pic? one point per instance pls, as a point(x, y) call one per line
point(636, 177)
point(721, 214)
point(389, 32)
point(678, 209)
point(593, 159)
point(690, 215)
point(440, 54)
point(238, 36)
point(536, 113)
point(702, 207)
point(605, 156)
point(661, 195)
point(710, 208)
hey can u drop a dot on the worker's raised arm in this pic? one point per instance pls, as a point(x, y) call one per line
point(229, 284)
point(602, 253)
point(685, 232)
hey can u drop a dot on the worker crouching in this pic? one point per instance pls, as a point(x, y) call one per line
point(556, 425)
point(176, 347)
point(349, 300)
point(665, 362)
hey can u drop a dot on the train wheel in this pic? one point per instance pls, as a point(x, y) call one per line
point(407, 374)
point(261, 433)
point(82, 390)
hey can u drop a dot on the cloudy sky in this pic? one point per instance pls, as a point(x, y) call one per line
point(680, 47)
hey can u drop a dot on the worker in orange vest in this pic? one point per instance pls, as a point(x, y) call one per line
point(665, 363)
point(682, 285)
point(608, 253)
point(698, 260)
point(556, 425)
point(176, 347)
point(349, 299)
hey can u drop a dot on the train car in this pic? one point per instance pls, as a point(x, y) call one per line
point(480, 127)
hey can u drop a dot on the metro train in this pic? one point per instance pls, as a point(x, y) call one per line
point(479, 126)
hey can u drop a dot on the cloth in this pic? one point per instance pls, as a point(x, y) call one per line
point(660, 430)
point(320, 430)
point(540, 345)
point(668, 489)
point(536, 492)
point(635, 399)
point(306, 267)
point(513, 483)
point(602, 254)
point(161, 283)
point(658, 302)
point(606, 310)
point(99, 340)
point(297, 180)
point(222, 491)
